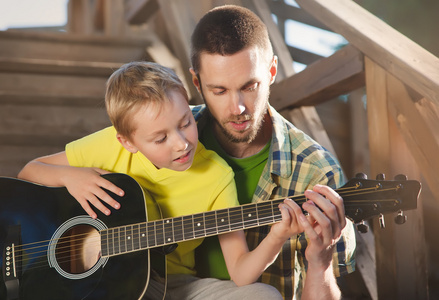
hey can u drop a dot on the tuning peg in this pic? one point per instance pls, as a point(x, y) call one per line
point(382, 223)
point(363, 227)
point(400, 177)
point(361, 176)
point(381, 176)
point(400, 218)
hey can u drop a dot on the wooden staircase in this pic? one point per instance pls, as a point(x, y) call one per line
point(52, 88)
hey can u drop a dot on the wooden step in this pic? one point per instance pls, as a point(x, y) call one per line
point(53, 84)
point(39, 121)
point(14, 158)
point(29, 98)
point(59, 67)
point(69, 47)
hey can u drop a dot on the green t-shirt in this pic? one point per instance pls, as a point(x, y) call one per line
point(209, 259)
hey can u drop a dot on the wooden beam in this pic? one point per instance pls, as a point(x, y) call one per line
point(379, 147)
point(400, 56)
point(395, 245)
point(303, 56)
point(285, 11)
point(418, 123)
point(139, 11)
point(324, 80)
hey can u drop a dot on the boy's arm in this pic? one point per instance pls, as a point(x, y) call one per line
point(245, 267)
point(84, 184)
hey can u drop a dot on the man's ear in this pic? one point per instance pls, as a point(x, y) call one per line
point(273, 69)
point(195, 80)
point(125, 142)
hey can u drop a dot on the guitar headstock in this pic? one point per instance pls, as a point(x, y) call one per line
point(365, 199)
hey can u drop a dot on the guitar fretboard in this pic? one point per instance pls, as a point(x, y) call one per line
point(152, 234)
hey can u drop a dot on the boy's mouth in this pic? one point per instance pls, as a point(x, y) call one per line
point(183, 158)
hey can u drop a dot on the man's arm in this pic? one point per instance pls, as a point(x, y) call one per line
point(323, 228)
point(84, 184)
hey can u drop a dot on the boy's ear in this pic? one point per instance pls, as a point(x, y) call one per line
point(126, 143)
point(195, 80)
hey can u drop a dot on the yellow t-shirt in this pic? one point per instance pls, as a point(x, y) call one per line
point(207, 185)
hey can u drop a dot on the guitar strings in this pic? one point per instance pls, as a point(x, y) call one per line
point(64, 244)
point(70, 240)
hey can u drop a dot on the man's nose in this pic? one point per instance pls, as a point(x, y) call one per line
point(237, 104)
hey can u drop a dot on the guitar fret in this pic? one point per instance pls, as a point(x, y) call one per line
point(151, 239)
point(249, 216)
point(199, 225)
point(116, 241)
point(178, 229)
point(188, 227)
point(104, 242)
point(223, 220)
point(143, 236)
point(160, 234)
point(235, 214)
point(129, 238)
point(265, 212)
point(122, 239)
point(136, 237)
point(210, 223)
point(168, 231)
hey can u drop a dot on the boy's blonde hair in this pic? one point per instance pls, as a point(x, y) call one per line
point(135, 84)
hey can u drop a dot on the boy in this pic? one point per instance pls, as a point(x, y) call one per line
point(154, 139)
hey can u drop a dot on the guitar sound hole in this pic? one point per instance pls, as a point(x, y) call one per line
point(78, 249)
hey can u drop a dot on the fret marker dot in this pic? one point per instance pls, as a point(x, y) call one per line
point(249, 215)
point(143, 235)
point(222, 220)
point(169, 239)
point(198, 224)
point(167, 221)
point(129, 238)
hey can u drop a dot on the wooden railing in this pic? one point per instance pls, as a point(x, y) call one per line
point(401, 80)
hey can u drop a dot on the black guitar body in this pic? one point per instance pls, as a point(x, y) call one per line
point(39, 218)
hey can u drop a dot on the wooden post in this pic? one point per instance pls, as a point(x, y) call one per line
point(400, 249)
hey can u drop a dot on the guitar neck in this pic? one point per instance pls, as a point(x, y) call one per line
point(157, 233)
point(363, 199)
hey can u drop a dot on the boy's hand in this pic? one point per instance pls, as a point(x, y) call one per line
point(289, 225)
point(86, 186)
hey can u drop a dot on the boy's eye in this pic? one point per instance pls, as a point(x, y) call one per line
point(186, 124)
point(161, 140)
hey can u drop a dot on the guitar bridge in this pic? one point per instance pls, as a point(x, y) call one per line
point(11, 264)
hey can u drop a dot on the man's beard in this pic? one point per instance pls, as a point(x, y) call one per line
point(252, 131)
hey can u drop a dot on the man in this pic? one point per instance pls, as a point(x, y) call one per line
point(233, 67)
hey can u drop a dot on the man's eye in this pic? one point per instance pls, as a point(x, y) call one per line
point(252, 87)
point(218, 92)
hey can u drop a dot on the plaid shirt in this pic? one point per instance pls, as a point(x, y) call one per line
point(296, 163)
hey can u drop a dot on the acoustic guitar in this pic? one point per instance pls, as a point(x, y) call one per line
point(51, 249)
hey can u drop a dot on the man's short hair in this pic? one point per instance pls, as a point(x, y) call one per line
point(135, 84)
point(226, 30)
